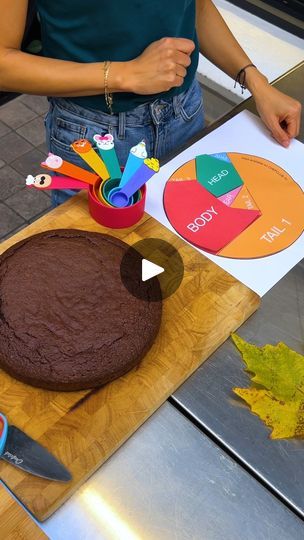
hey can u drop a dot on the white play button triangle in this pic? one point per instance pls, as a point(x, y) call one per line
point(137, 270)
point(150, 270)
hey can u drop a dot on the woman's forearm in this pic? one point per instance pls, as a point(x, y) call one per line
point(160, 67)
point(218, 44)
point(25, 73)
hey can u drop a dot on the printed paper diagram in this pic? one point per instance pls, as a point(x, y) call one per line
point(234, 205)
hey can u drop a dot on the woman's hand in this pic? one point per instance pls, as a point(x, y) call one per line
point(279, 112)
point(162, 66)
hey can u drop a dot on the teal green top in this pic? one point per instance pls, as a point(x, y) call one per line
point(116, 30)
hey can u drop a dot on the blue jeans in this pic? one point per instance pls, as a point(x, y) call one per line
point(164, 124)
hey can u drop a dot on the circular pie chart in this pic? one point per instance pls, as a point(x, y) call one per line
point(259, 216)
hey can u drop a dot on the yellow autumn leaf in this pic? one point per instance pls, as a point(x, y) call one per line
point(280, 370)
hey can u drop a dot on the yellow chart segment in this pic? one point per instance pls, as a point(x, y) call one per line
point(274, 192)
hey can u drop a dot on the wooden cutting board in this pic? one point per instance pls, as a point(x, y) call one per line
point(84, 428)
point(15, 523)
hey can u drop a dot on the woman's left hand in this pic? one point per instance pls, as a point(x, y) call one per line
point(279, 112)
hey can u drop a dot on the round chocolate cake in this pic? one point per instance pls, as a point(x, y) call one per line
point(67, 322)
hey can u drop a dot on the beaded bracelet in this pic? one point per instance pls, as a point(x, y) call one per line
point(241, 77)
point(108, 95)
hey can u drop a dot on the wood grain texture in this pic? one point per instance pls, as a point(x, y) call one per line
point(84, 428)
point(14, 521)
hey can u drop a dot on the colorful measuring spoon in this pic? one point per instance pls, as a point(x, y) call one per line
point(137, 155)
point(56, 163)
point(106, 149)
point(84, 149)
point(46, 181)
point(121, 197)
point(116, 190)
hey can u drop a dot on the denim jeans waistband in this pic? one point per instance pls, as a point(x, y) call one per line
point(154, 112)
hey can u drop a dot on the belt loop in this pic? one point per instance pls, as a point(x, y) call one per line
point(176, 102)
point(154, 112)
point(122, 125)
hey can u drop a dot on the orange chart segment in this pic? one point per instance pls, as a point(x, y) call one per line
point(185, 172)
point(245, 200)
point(268, 188)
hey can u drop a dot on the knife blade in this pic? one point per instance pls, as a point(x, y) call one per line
point(20, 450)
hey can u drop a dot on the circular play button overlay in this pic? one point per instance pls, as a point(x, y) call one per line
point(152, 270)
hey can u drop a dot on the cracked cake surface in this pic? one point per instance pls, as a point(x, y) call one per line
point(67, 322)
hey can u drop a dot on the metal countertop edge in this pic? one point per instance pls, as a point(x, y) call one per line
point(227, 449)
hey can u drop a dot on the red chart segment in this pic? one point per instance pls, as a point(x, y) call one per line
point(201, 218)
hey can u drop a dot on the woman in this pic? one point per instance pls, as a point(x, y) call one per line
point(128, 68)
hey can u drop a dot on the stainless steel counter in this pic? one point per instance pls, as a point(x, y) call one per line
point(169, 481)
point(208, 398)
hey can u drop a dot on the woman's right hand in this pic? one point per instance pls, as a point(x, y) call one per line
point(162, 66)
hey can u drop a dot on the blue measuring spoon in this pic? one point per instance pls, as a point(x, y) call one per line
point(115, 190)
point(120, 198)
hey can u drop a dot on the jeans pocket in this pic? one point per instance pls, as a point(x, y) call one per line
point(66, 129)
point(191, 102)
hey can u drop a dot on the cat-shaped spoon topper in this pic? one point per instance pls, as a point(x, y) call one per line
point(104, 142)
point(56, 163)
point(52, 161)
point(105, 146)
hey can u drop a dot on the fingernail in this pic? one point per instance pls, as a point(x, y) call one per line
point(285, 143)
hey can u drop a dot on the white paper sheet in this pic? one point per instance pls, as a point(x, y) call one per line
point(244, 133)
